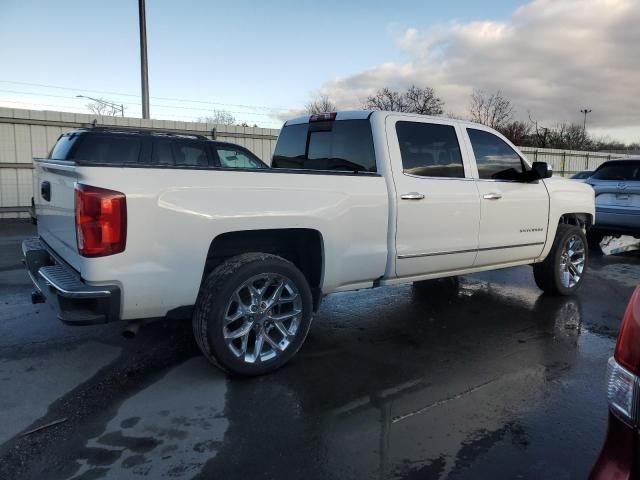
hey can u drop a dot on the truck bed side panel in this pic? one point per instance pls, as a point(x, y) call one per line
point(173, 216)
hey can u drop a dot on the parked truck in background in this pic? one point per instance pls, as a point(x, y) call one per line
point(141, 226)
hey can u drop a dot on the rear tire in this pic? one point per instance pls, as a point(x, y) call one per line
point(562, 272)
point(253, 314)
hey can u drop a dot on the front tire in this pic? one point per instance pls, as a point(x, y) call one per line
point(562, 272)
point(253, 314)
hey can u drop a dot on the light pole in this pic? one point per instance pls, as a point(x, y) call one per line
point(115, 106)
point(144, 71)
point(584, 124)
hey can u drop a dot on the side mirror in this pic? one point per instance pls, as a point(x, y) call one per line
point(542, 169)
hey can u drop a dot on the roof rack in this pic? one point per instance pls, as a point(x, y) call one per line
point(160, 131)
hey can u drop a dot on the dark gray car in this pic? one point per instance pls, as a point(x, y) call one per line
point(617, 188)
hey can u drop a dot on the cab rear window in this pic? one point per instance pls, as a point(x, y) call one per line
point(340, 146)
point(624, 170)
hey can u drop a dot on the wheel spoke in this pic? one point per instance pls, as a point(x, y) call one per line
point(572, 269)
point(281, 328)
point(243, 345)
point(238, 332)
point(285, 316)
point(271, 341)
point(257, 348)
point(275, 296)
point(290, 299)
point(236, 316)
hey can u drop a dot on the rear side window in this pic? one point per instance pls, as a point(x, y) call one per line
point(108, 149)
point(429, 150)
point(342, 145)
point(61, 148)
point(618, 171)
point(494, 157)
point(237, 158)
point(181, 153)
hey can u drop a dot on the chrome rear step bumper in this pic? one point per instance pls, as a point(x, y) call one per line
point(76, 302)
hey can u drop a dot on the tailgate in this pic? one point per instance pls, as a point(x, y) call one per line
point(625, 194)
point(54, 197)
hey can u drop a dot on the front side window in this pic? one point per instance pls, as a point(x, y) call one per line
point(341, 145)
point(495, 159)
point(236, 158)
point(429, 150)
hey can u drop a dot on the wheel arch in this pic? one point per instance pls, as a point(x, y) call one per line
point(584, 220)
point(303, 247)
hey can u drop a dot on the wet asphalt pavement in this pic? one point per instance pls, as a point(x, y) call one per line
point(489, 380)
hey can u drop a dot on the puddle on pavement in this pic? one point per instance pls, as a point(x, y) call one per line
point(169, 429)
point(30, 384)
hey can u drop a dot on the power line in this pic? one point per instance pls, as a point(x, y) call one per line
point(106, 92)
point(181, 107)
point(75, 109)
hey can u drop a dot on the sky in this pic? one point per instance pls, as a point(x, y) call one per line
point(262, 61)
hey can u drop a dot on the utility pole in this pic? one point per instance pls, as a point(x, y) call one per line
point(143, 59)
point(584, 124)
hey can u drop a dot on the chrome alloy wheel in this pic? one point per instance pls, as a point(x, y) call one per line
point(262, 317)
point(572, 261)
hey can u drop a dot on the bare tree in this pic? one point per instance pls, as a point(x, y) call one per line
point(105, 108)
point(423, 101)
point(386, 99)
point(320, 104)
point(413, 100)
point(517, 132)
point(494, 110)
point(219, 117)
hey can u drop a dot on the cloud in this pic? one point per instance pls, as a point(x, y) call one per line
point(551, 57)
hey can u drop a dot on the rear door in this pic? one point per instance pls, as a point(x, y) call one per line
point(438, 208)
point(514, 214)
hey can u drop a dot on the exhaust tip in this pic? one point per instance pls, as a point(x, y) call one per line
point(131, 330)
point(37, 297)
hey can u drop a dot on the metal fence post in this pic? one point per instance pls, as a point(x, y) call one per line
point(564, 161)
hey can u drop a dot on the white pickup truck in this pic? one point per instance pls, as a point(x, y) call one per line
point(141, 225)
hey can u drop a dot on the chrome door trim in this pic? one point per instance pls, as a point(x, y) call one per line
point(434, 254)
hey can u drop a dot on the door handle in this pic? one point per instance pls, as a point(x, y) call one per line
point(412, 196)
point(45, 191)
point(492, 196)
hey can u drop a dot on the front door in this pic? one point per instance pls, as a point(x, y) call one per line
point(438, 208)
point(514, 214)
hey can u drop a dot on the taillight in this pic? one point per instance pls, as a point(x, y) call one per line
point(101, 221)
point(628, 346)
point(323, 117)
point(623, 384)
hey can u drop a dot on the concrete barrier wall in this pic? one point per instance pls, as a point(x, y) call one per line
point(28, 134)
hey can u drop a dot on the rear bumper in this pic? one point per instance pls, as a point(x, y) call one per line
point(617, 459)
point(75, 302)
point(618, 221)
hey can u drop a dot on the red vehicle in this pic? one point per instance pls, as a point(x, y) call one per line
point(620, 455)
